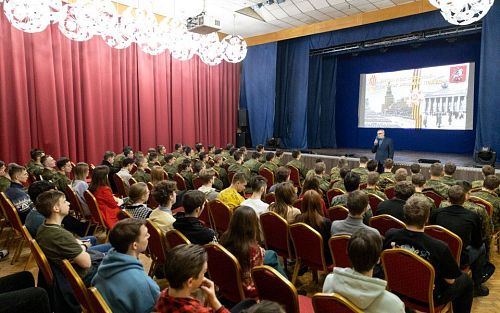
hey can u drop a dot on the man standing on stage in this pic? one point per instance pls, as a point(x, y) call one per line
point(383, 149)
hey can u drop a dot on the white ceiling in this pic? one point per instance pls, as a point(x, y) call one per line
point(273, 17)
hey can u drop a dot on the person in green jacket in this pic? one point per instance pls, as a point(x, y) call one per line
point(295, 162)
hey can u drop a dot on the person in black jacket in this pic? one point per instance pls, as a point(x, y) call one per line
point(383, 148)
point(108, 160)
point(189, 224)
point(394, 207)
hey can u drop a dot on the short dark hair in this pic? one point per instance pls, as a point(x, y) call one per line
point(255, 155)
point(491, 182)
point(239, 177)
point(108, 154)
point(351, 181)
point(456, 194)
point(187, 150)
point(257, 182)
point(237, 155)
point(46, 201)
point(343, 171)
point(372, 178)
point(282, 174)
point(415, 168)
point(124, 233)
point(418, 180)
point(169, 157)
point(404, 190)
point(184, 262)
point(388, 163)
point(229, 146)
point(193, 199)
point(279, 153)
point(44, 158)
point(127, 161)
point(319, 168)
point(450, 168)
point(488, 170)
point(364, 249)
point(295, 154)
point(206, 175)
point(357, 202)
point(259, 147)
point(436, 169)
point(363, 159)
point(36, 153)
point(39, 187)
point(198, 166)
point(372, 165)
point(177, 146)
point(61, 162)
point(152, 155)
point(15, 169)
point(163, 190)
point(198, 146)
point(417, 209)
point(269, 156)
point(401, 174)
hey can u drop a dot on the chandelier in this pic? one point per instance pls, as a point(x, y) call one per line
point(463, 12)
point(81, 20)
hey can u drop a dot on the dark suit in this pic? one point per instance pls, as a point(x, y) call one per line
point(383, 151)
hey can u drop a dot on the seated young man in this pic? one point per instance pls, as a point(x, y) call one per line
point(356, 283)
point(295, 162)
point(61, 179)
point(57, 243)
point(140, 174)
point(186, 266)
point(15, 192)
point(187, 222)
point(387, 174)
point(207, 177)
point(371, 185)
point(124, 173)
point(450, 283)
point(449, 170)
point(121, 278)
point(282, 175)
point(357, 204)
point(394, 207)
point(35, 166)
point(259, 185)
point(231, 195)
point(253, 164)
point(434, 183)
point(49, 167)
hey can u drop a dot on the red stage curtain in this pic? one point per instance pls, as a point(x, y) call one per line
point(79, 99)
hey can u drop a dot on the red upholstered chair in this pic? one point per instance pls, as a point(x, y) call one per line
point(308, 247)
point(151, 200)
point(363, 186)
point(338, 249)
point(205, 215)
point(276, 235)
point(270, 198)
point(224, 270)
point(77, 285)
point(132, 181)
point(197, 182)
point(487, 205)
point(384, 222)
point(454, 242)
point(147, 170)
point(272, 286)
point(330, 194)
point(374, 201)
point(338, 213)
point(75, 204)
point(434, 196)
point(220, 215)
point(295, 176)
point(97, 302)
point(122, 214)
point(174, 238)
point(411, 278)
point(95, 212)
point(134, 169)
point(120, 186)
point(13, 217)
point(43, 263)
point(390, 192)
point(181, 183)
point(298, 204)
point(269, 175)
point(230, 176)
point(156, 247)
point(333, 302)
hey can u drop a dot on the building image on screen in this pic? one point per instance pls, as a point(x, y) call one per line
point(439, 97)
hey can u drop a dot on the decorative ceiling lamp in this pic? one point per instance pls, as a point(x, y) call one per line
point(28, 15)
point(234, 46)
point(77, 20)
point(156, 41)
point(105, 17)
point(464, 12)
point(211, 49)
point(182, 43)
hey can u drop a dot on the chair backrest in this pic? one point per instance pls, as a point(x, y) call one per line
point(230, 176)
point(276, 234)
point(298, 204)
point(224, 270)
point(120, 185)
point(454, 242)
point(486, 204)
point(77, 285)
point(74, 202)
point(95, 212)
point(295, 176)
point(165, 175)
point(151, 200)
point(220, 215)
point(122, 215)
point(11, 213)
point(132, 181)
point(384, 222)
point(97, 302)
point(26, 234)
point(134, 169)
point(330, 194)
point(269, 175)
point(156, 243)
point(390, 192)
point(410, 277)
point(374, 201)
point(338, 249)
point(363, 186)
point(173, 238)
point(308, 246)
point(197, 183)
point(338, 213)
point(181, 183)
point(270, 198)
point(333, 302)
point(272, 286)
point(42, 262)
point(434, 196)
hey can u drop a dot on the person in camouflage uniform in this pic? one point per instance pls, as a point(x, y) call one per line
point(435, 183)
point(186, 172)
point(418, 180)
point(449, 170)
point(277, 157)
point(140, 174)
point(221, 172)
point(153, 159)
point(339, 184)
point(178, 150)
point(295, 162)
point(371, 185)
point(335, 171)
point(35, 166)
point(49, 165)
point(253, 164)
point(361, 170)
point(237, 166)
point(387, 177)
point(486, 170)
point(127, 153)
point(226, 153)
point(491, 182)
point(4, 180)
point(161, 151)
point(262, 152)
point(61, 179)
point(351, 182)
point(324, 180)
point(199, 148)
point(269, 164)
point(169, 166)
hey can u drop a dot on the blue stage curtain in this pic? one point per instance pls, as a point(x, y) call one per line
point(290, 123)
point(488, 129)
point(321, 102)
point(258, 90)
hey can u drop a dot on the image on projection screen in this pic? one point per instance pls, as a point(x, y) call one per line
point(439, 97)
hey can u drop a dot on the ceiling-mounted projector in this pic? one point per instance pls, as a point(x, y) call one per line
point(203, 24)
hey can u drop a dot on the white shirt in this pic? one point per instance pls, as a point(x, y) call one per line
point(258, 205)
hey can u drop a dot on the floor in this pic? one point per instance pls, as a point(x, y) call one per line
point(489, 304)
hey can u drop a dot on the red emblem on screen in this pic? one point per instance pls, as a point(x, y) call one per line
point(458, 74)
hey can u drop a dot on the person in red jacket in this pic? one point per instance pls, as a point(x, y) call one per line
point(108, 204)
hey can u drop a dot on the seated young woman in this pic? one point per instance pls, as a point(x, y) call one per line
point(165, 195)
point(313, 183)
point(80, 185)
point(138, 195)
point(108, 204)
point(283, 206)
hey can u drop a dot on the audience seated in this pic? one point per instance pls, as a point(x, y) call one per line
point(127, 153)
point(121, 278)
point(372, 166)
point(258, 184)
point(324, 180)
point(49, 167)
point(253, 163)
point(140, 174)
point(449, 170)
point(387, 176)
point(486, 171)
point(313, 183)
point(19, 294)
point(357, 284)
point(223, 176)
point(187, 222)
point(4, 177)
point(351, 183)
point(401, 174)
point(394, 206)
point(418, 181)
point(285, 198)
point(108, 204)
point(35, 166)
point(16, 193)
point(108, 161)
point(434, 183)
point(295, 162)
point(335, 171)
point(269, 164)
point(157, 175)
point(164, 193)
point(124, 172)
point(371, 185)
point(137, 198)
point(339, 183)
point(237, 165)
point(207, 178)
point(450, 283)
point(186, 171)
point(361, 170)
point(80, 185)
point(231, 195)
point(357, 204)
point(282, 175)
point(169, 166)
point(178, 150)
point(487, 192)
point(278, 156)
point(153, 159)
point(61, 179)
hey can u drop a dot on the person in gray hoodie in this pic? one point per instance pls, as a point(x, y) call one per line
point(357, 283)
point(120, 278)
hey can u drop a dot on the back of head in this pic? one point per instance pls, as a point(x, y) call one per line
point(178, 146)
point(372, 165)
point(127, 161)
point(279, 153)
point(184, 262)
point(99, 177)
point(357, 202)
point(364, 248)
point(282, 174)
point(15, 170)
point(152, 156)
point(400, 175)
point(257, 183)
point(46, 201)
point(124, 233)
point(343, 171)
point(450, 168)
point(404, 190)
point(342, 162)
point(137, 192)
point(417, 210)
point(198, 146)
point(61, 162)
point(418, 180)
point(363, 160)
point(269, 156)
point(488, 170)
point(372, 178)
point(237, 155)
point(285, 193)
point(265, 306)
point(255, 155)
point(259, 148)
point(436, 169)
point(81, 170)
point(388, 164)
point(311, 205)
point(157, 174)
point(198, 166)
point(491, 182)
point(126, 150)
point(192, 199)
point(239, 178)
point(456, 194)
point(206, 175)
point(243, 226)
point(295, 154)
point(36, 153)
point(229, 146)
point(319, 168)
point(169, 157)
point(311, 183)
point(163, 190)
point(39, 187)
point(415, 168)
point(351, 181)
